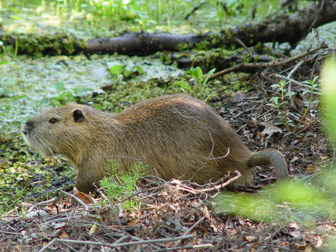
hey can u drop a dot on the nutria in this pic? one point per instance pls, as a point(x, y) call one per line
point(176, 136)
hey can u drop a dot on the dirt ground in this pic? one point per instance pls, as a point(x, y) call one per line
point(174, 217)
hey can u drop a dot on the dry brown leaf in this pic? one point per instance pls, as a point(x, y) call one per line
point(308, 248)
point(63, 235)
point(300, 245)
point(256, 244)
point(83, 198)
point(204, 230)
point(318, 242)
point(255, 123)
point(295, 234)
point(270, 129)
point(250, 238)
point(298, 102)
point(293, 225)
point(311, 169)
point(93, 229)
point(285, 244)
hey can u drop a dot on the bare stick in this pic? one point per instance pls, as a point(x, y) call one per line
point(244, 46)
point(266, 65)
point(193, 226)
point(200, 246)
point(114, 212)
point(41, 203)
point(217, 187)
point(290, 83)
point(299, 84)
point(194, 9)
point(78, 200)
point(49, 244)
point(117, 245)
point(178, 185)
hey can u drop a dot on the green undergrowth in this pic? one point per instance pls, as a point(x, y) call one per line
point(26, 177)
point(301, 201)
point(105, 18)
point(120, 185)
point(306, 200)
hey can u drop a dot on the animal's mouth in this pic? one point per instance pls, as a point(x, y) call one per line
point(37, 143)
point(26, 128)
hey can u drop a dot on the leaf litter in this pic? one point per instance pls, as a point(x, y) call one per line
point(170, 218)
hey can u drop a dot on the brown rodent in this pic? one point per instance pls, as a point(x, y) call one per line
point(176, 136)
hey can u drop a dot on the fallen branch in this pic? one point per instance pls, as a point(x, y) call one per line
point(253, 67)
point(78, 200)
point(283, 28)
point(116, 245)
point(178, 184)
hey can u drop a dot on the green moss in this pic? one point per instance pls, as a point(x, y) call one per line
point(26, 177)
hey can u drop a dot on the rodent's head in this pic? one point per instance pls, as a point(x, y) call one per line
point(56, 130)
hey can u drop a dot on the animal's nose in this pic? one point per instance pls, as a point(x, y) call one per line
point(27, 127)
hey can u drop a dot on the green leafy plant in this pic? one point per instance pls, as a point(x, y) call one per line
point(313, 84)
point(62, 95)
point(200, 80)
point(328, 77)
point(280, 101)
point(125, 70)
point(120, 185)
point(286, 202)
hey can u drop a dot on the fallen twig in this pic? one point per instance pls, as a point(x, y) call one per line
point(114, 212)
point(79, 201)
point(193, 10)
point(178, 184)
point(260, 66)
point(299, 83)
point(116, 245)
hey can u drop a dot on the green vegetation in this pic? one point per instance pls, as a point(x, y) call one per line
point(279, 105)
point(28, 85)
point(328, 78)
point(63, 95)
point(280, 101)
point(120, 185)
point(26, 177)
point(298, 201)
point(87, 18)
point(304, 201)
point(200, 80)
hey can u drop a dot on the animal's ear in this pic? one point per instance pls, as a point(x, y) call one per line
point(78, 115)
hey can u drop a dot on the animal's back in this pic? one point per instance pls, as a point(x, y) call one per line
point(182, 137)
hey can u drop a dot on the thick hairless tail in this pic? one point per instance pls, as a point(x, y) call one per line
point(272, 157)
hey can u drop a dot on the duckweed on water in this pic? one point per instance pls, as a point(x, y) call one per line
point(28, 81)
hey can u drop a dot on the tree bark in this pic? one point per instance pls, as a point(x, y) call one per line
point(284, 28)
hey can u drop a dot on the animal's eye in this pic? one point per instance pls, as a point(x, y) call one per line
point(53, 120)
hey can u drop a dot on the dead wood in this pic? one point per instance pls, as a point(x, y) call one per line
point(282, 28)
point(254, 67)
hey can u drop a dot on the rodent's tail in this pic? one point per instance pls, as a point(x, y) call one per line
point(272, 157)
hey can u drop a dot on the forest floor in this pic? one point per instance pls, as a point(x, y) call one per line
point(177, 217)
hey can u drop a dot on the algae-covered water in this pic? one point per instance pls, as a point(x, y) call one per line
point(29, 85)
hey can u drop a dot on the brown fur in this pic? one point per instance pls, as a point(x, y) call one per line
point(175, 136)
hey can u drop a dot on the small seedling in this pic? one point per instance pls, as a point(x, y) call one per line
point(120, 185)
point(201, 81)
point(313, 85)
point(279, 102)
